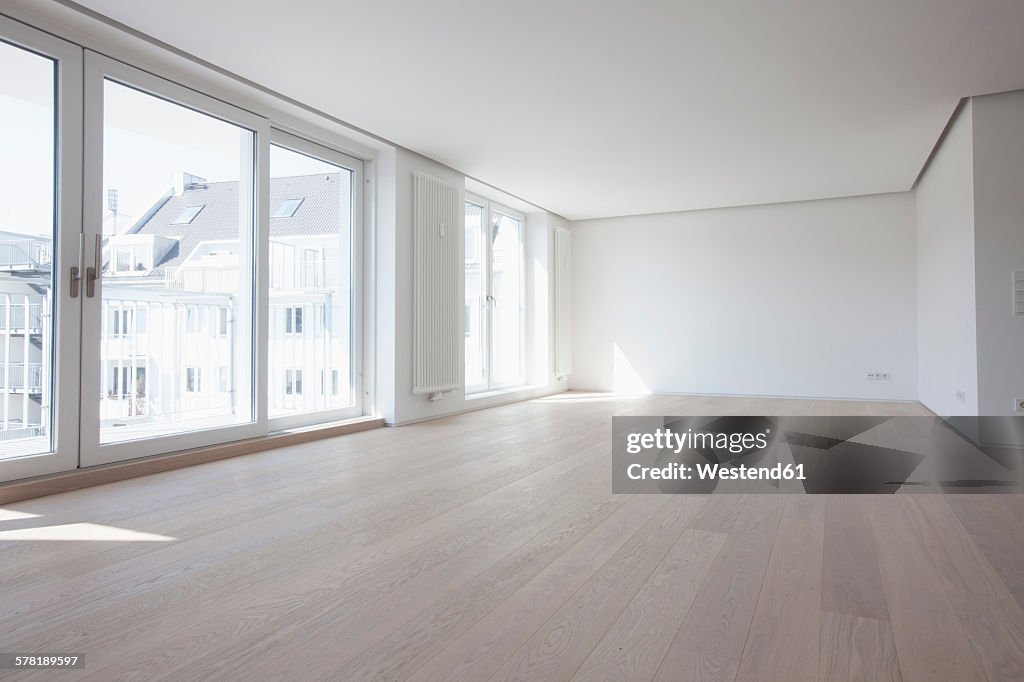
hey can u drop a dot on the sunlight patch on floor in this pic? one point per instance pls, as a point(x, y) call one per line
point(11, 515)
point(81, 532)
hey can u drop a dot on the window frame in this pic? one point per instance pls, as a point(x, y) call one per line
point(203, 89)
point(253, 302)
point(359, 362)
point(489, 209)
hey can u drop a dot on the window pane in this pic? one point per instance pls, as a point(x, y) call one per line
point(27, 195)
point(311, 275)
point(476, 297)
point(507, 288)
point(178, 190)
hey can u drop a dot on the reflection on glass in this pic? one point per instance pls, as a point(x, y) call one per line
point(27, 196)
point(507, 288)
point(310, 285)
point(476, 298)
point(176, 329)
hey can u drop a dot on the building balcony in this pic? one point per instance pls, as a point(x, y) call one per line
point(25, 254)
point(13, 318)
point(18, 377)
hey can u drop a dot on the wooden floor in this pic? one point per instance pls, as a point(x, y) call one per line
point(489, 546)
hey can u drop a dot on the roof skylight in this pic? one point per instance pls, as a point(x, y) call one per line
point(188, 215)
point(288, 208)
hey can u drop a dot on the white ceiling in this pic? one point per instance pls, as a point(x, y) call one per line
point(602, 107)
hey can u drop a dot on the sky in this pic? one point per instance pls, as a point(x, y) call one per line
point(146, 141)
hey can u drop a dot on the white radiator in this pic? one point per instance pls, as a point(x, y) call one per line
point(437, 273)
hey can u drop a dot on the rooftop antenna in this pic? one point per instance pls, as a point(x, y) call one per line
point(112, 205)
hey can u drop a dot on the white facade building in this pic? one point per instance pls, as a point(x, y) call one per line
point(172, 300)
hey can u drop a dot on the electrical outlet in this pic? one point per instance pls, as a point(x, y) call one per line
point(961, 395)
point(1018, 404)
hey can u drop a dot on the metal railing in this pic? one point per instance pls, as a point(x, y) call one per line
point(19, 432)
point(206, 280)
point(24, 252)
point(17, 317)
point(15, 372)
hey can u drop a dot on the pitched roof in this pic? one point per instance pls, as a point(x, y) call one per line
point(318, 214)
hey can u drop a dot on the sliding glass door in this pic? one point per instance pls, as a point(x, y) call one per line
point(40, 139)
point(171, 208)
point(495, 289)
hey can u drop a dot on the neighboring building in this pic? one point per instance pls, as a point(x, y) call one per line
point(25, 324)
point(175, 276)
point(174, 301)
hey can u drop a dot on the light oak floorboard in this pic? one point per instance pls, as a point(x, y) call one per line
point(851, 582)
point(560, 646)
point(489, 545)
point(791, 594)
point(637, 641)
point(993, 620)
point(930, 642)
point(710, 640)
point(856, 649)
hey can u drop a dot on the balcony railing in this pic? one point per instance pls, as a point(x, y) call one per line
point(17, 315)
point(24, 253)
point(12, 377)
point(19, 432)
point(207, 280)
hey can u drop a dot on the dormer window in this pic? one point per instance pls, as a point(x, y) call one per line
point(123, 260)
point(288, 208)
point(131, 259)
point(188, 215)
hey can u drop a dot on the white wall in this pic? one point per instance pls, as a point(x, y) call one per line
point(946, 329)
point(798, 299)
point(999, 248)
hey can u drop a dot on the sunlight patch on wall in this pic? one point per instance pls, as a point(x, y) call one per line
point(627, 379)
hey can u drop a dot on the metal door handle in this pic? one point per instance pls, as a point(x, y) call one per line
point(92, 273)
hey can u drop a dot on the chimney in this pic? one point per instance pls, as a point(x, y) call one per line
point(184, 181)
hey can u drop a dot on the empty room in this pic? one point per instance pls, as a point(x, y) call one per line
point(657, 340)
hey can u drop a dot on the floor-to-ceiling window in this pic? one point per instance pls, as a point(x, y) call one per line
point(313, 347)
point(176, 327)
point(40, 151)
point(174, 272)
point(27, 189)
point(494, 290)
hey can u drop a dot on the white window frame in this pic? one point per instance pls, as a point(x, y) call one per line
point(253, 303)
point(358, 333)
point(490, 208)
point(183, 80)
point(63, 453)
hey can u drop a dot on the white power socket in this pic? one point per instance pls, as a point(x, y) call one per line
point(879, 376)
point(1018, 404)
